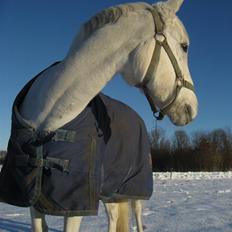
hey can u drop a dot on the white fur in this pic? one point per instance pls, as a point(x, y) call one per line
point(125, 47)
point(62, 92)
point(174, 4)
point(112, 210)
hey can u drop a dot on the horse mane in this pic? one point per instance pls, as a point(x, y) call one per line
point(111, 15)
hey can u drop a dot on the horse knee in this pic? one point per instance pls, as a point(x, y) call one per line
point(137, 206)
point(112, 211)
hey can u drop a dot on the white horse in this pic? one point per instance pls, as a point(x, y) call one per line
point(120, 40)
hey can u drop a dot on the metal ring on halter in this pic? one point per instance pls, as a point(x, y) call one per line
point(158, 115)
point(160, 37)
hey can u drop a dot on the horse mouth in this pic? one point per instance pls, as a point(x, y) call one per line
point(188, 113)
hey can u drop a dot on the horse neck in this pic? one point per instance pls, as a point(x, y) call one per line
point(62, 92)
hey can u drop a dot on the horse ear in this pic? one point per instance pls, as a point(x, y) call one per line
point(174, 4)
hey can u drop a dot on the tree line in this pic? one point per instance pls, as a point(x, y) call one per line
point(202, 151)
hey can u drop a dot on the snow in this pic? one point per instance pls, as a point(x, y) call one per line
point(192, 175)
point(181, 202)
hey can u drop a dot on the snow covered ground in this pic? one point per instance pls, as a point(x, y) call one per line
point(181, 202)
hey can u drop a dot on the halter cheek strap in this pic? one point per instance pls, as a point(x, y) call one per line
point(161, 41)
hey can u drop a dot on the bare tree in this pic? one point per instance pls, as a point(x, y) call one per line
point(181, 140)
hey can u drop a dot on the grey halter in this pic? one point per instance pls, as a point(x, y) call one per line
point(161, 41)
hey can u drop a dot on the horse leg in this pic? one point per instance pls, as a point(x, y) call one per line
point(72, 224)
point(123, 217)
point(112, 213)
point(38, 222)
point(137, 209)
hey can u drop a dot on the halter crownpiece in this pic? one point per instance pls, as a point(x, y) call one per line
point(161, 41)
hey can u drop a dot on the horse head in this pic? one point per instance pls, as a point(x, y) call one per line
point(161, 66)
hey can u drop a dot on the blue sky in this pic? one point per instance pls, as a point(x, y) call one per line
point(34, 34)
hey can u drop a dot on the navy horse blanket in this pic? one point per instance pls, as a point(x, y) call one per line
point(102, 154)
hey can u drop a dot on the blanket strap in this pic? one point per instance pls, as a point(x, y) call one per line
point(48, 162)
point(64, 135)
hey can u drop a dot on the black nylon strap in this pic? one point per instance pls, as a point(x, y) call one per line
point(159, 27)
point(161, 41)
point(159, 24)
point(49, 162)
point(169, 105)
point(172, 58)
point(152, 67)
point(188, 85)
point(64, 135)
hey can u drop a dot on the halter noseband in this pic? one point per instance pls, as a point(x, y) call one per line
point(161, 41)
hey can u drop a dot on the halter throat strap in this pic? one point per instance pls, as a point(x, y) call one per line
point(161, 41)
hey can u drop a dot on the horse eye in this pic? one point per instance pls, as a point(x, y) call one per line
point(185, 47)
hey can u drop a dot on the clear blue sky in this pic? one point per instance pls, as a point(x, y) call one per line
point(34, 34)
